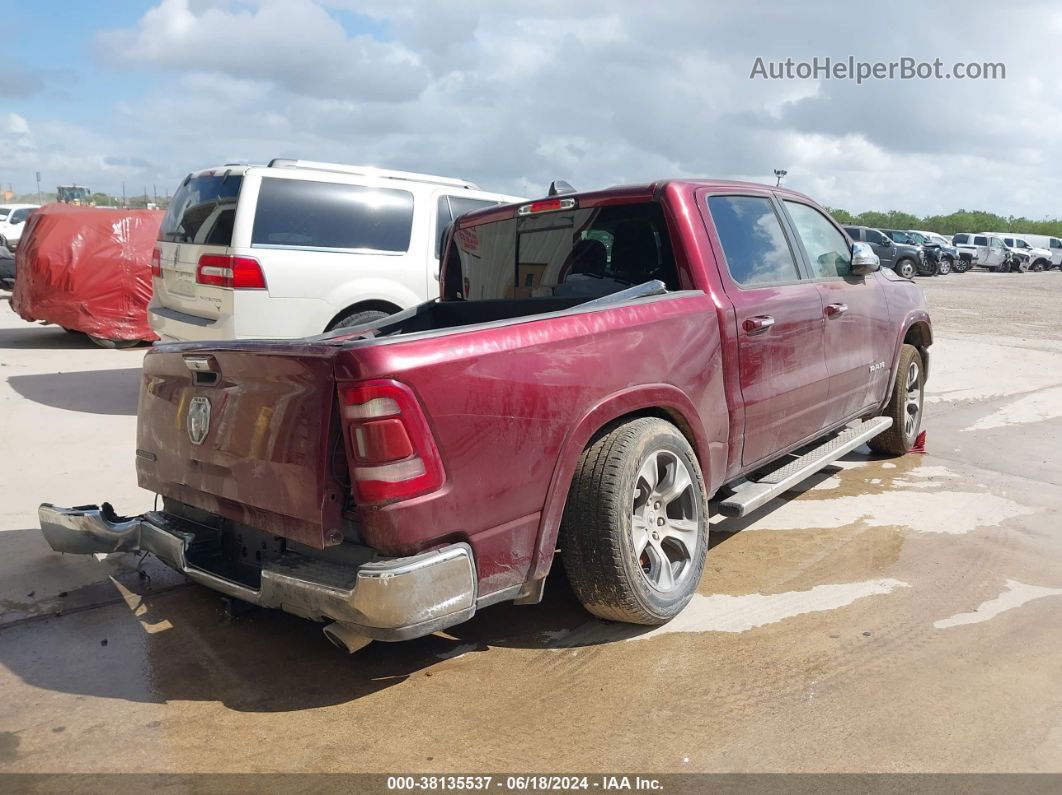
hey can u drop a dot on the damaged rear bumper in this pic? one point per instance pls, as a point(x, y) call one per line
point(384, 599)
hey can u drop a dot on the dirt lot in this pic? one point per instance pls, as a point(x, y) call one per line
point(887, 616)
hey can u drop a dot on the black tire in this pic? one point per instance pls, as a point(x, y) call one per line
point(1037, 266)
point(106, 343)
point(1004, 268)
point(357, 318)
point(961, 265)
point(71, 330)
point(906, 267)
point(901, 435)
point(609, 575)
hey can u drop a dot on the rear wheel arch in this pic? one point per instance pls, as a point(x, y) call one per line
point(363, 306)
point(661, 401)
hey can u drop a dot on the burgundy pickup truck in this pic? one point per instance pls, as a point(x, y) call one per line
point(598, 367)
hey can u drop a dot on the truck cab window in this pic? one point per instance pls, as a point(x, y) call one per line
point(827, 250)
point(753, 242)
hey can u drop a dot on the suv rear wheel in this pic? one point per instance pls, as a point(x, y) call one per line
point(357, 318)
point(635, 530)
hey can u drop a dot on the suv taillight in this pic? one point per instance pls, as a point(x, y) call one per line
point(156, 263)
point(239, 273)
point(390, 446)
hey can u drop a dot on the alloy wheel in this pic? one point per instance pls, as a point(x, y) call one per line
point(913, 401)
point(665, 521)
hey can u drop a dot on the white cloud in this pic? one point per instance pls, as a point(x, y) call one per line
point(514, 94)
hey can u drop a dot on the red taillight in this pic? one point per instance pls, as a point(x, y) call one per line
point(156, 263)
point(546, 206)
point(239, 273)
point(392, 450)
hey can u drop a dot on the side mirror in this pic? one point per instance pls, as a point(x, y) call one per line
point(864, 260)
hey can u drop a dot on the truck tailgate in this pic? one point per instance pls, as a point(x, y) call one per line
point(245, 430)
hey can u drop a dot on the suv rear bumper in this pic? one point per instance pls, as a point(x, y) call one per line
point(172, 325)
point(386, 599)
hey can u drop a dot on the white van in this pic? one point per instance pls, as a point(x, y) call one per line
point(1039, 257)
point(1052, 244)
point(298, 247)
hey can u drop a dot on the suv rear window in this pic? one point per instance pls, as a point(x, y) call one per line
point(202, 211)
point(304, 214)
point(585, 253)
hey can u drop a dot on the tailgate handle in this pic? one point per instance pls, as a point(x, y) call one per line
point(204, 370)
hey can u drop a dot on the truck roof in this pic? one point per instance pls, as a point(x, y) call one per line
point(633, 191)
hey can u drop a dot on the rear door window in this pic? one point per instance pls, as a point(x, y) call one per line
point(754, 245)
point(197, 210)
point(304, 214)
point(827, 250)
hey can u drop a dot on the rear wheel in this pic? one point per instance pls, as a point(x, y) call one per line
point(357, 318)
point(905, 405)
point(635, 530)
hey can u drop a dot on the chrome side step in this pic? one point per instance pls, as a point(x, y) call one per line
point(751, 494)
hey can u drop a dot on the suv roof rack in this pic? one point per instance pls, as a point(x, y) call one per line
point(370, 171)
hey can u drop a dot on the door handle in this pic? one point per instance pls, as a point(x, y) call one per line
point(836, 310)
point(758, 324)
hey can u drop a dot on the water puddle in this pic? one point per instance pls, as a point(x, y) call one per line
point(1016, 595)
point(723, 613)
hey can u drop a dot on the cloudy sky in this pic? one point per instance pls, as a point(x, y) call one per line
point(512, 94)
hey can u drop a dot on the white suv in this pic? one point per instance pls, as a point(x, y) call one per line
point(12, 222)
point(298, 247)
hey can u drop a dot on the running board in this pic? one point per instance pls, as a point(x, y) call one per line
point(751, 494)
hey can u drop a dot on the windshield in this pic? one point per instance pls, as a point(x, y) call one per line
point(916, 238)
point(587, 253)
point(198, 200)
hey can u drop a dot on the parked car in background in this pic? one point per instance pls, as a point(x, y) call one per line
point(12, 222)
point(983, 250)
point(938, 250)
point(1052, 244)
point(354, 477)
point(7, 268)
point(1039, 259)
point(298, 247)
point(904, 258)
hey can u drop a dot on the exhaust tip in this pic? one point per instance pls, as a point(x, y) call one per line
point(345, 637)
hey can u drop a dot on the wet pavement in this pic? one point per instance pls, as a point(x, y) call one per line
point(886, 615)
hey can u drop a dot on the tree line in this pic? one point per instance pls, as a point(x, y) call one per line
point(960, 221)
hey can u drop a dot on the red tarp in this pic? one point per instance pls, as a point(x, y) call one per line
point(87, 269)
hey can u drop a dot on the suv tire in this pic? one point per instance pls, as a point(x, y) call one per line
point(905, 405)
point(906, 267)
point(357, 318)
point(639, 558)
